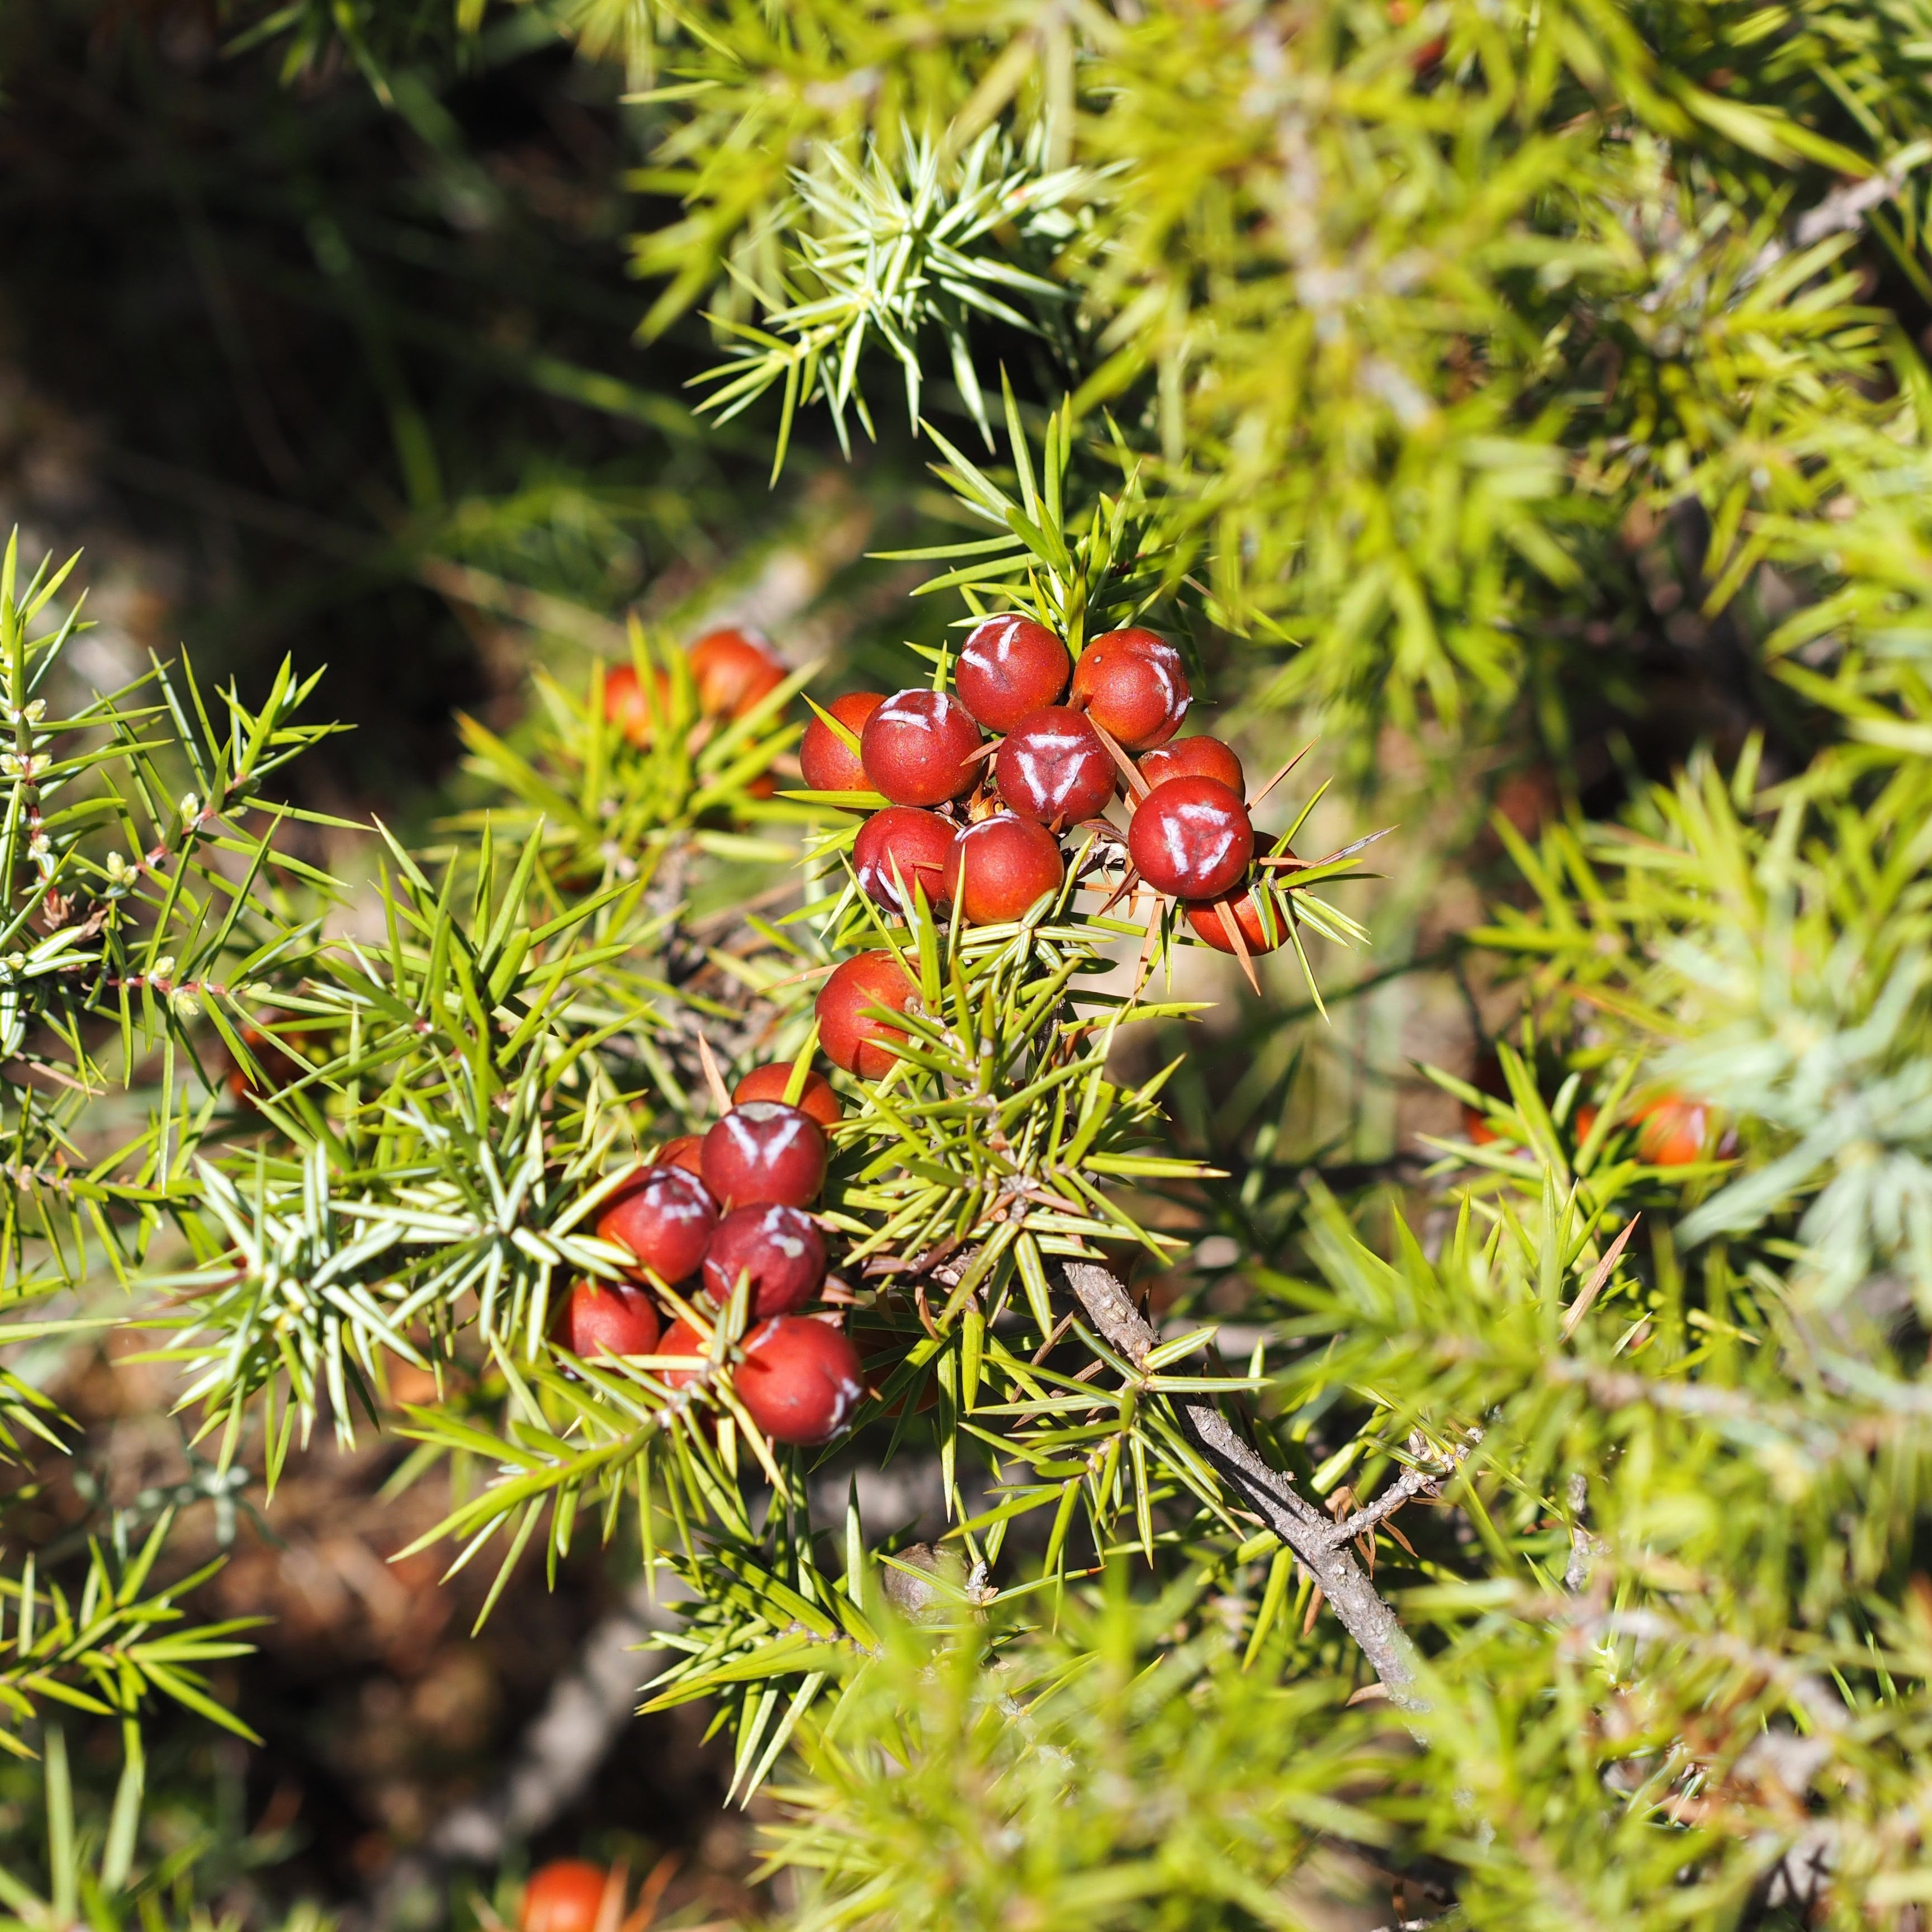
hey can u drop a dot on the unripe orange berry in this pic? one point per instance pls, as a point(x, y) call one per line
point(765, 1150)
point(1672, 1131)
point(680, 1338)
point(779, 1249)
point(624, 704)
point(732, 670)
point(852, 1038)
point(1001, 866)
point(563, 1896)
point(768, 1083)
point(1487, 1077)
point(1203, 916)
point(828, 763)
point(1132, 685)
point(1195, 758)
point(682, 1152)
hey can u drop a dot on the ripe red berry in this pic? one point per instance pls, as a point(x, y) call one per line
point(604, 1318)
point(851, 1038)
point(1191, 837)
point(1203, 916)
point(682, 1152)
point(918, 747)
point(1132, 685)
point(768, 1083)
point(999, 867)
point(1195, 758)
point(800, 1380)
point(563, 1896)
point(664, 1216)
point(828, 763)
point(680, 1338)
point(781, 1250)
point(765, 1150)
point(1672, 1131)
point(732, 671)
point(918, 843)
point(624, 704)
point(1051, 766)
point(1010, 665)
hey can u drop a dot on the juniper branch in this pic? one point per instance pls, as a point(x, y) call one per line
point(1299, 1524)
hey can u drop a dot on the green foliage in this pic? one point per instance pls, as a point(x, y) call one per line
point(108, 1651)
point(1380, 336)
point(881, 266)
point(1402, 314)
point(136, 904)
point(1119, 1772)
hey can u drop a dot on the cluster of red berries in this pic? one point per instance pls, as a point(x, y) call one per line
point(978, 824)
point(715, 1209)
point(731, 671)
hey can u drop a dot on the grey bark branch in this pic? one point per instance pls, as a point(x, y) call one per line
point(1305, 1529)
point(1406, 1487)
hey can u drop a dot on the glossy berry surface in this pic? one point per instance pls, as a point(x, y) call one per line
point(851, 1038)
point(605, 1318)
point(768, 1083)
point(624, 704)
point(918, 747)
point(1132, 685)
point(1195, 758)
point(1204, 915)
point(664, 1216)
point(800, 1381)
point(1672, 1131)
point(1010, 665)
point(904, 845)
point(779, 1248)
point(563, 1896)
point(828, 763)
point(765, 1150)
point(1000, 866)
point(685, 1151)
point(1191, 837)
point(1052, 767)
point(732, 671)
point(680, 1338)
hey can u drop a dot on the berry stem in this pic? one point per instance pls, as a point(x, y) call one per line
point(1307, 1530)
